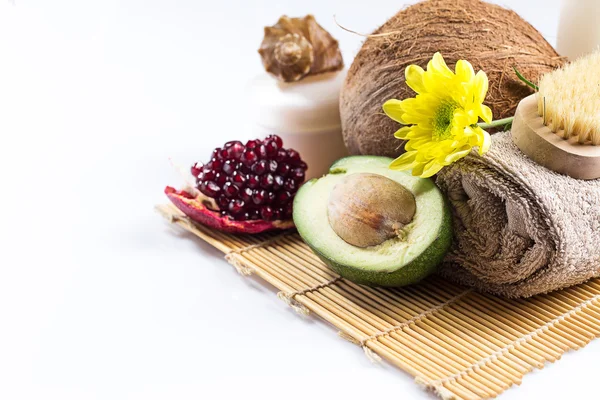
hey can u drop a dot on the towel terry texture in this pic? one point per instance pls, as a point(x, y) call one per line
point(520, 229)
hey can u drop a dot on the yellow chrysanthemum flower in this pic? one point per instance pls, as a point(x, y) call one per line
point(441, 121)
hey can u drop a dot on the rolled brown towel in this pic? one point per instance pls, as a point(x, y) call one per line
point(520, 229)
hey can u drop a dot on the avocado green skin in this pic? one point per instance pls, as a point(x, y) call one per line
point(409, 274)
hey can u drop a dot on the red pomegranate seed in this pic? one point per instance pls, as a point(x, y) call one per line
point(236, 206)
point(208, 175)
point(230, 190)
point(244, 169)
point(215, 164)
point(278, 182)
point(210, 189)
point(220, 179)
point(266, 213)
point(262, 152)
point(252, 181)
point(259, 167)
point(272, 166)
point(223, 202)
point(238, 179)
point(196, 169)
point(252, 144)
point(270, 198)
point(298, 175)
point(293, 156)
point(283, 169)
point(281, 155)
point(277, 140)
point(231, 143)
point(290, 185)
point(283, 197)
point(266, 181)
point(259, 196)
point(271, 148)
point(234, 152)
point(249, 157)
point(246, 194)
point(230, 167)
point(216, 153)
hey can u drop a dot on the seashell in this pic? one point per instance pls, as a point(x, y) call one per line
point(295, 48)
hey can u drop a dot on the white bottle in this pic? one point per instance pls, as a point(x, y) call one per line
point(579, 28)
point(305, 114)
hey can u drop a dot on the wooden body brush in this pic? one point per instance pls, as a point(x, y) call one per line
point(559, 127)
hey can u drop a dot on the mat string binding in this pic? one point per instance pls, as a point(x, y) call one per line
point(238, 264)
point(372, 355)
point(289, 298)
point(438, 384)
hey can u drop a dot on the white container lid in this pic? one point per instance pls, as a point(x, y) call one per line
point(310, 105)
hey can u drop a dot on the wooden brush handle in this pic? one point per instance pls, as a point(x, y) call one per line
point(538, 142)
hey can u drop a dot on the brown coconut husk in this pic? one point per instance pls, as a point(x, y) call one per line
point(492, 38)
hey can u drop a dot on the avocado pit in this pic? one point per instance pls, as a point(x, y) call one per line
point(367, 209)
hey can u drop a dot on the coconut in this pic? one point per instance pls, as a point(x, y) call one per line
point(492, 38)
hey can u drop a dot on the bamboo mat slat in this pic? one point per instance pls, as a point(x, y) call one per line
point(456, 342)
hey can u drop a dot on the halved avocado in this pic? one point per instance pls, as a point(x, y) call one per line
point(398, 261)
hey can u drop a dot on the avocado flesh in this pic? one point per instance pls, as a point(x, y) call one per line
point(395, 262)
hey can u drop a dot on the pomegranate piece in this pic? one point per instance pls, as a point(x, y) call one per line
point(196, 209)
point(196, 169)
point(244, 188)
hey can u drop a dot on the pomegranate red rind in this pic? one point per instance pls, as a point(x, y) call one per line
point(198, 212)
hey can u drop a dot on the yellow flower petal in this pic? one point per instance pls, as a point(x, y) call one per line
point(431, 169)
point(393, 109)
point(417, 109)
point(464, 71)
point(486, 113)
point(439, 85)
point(418, 170)
point(462, 119)
point(451, 158)
point(415, 144)
point(418, 133)
point(438, 65)
point(485, 142)
point(414, 78)
point(403, 132)
point(417, 119)
point(404, 162)
point(480, 87)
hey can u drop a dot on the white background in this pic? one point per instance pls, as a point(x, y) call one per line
point(99, 297)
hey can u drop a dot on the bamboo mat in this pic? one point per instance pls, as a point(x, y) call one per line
point(456, 342)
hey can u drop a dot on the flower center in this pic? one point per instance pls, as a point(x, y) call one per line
point(442, 121)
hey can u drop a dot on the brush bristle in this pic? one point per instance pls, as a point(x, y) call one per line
point(569, 100)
